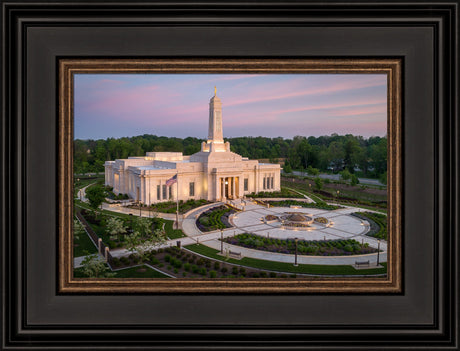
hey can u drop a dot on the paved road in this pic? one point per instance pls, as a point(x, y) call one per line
point(367, 181)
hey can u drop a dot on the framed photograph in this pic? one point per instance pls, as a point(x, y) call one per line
point(218, 221)
point(173, 173)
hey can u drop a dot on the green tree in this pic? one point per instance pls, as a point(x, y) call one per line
point(143, 226)
point(351, 152)
point(345, 174)
point(354, 180)
point(78, 229)
point(142, 245)
point(115, 227)
point(95, 195)
point(312, 171)
point(93, 266)
point(287, 167)
point(378, 156)
point(318, 183)
point(336, 155)
point(383, 178)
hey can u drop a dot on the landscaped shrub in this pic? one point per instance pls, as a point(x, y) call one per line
point(203, 271)
point(215, 218)
point(235, 270)
point(212, 274)
point(377, 221)
point(187, 267)
point(272, 275)
point(154, 260)
point(263, 274)
point(176, 263)
point(216, 265)
point(167, 258)
point(224, 270)
point(255, 275)
point(195, 268)
point(327, 248)
point(116, 261)
point(287, 203)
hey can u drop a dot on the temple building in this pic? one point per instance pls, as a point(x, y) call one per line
point(214, 173)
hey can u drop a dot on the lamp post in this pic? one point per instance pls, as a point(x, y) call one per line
point(378, 252)
point(295, 261)
point(221, 242)
point(338, 197)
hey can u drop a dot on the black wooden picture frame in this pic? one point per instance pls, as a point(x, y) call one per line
point(37, 34)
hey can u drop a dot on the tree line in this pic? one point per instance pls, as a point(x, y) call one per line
point(335, 153)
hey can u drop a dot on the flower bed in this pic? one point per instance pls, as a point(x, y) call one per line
point(270, 194)
point(321, 220)
point(214, 218)
point(288, 203)
point(377, 221)
point(313, 248)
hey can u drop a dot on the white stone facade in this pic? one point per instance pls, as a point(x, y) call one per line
point(215, 173)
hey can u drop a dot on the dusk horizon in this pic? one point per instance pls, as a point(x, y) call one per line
point(172, 105)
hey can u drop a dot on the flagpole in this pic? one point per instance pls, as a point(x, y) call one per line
point(177, 199)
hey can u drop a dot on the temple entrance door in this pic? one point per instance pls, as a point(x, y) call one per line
point(226, 185)
point(228, 191)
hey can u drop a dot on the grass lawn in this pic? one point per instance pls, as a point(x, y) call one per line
point(173, 233)
point(84, 182)
point(129, 273)
point(84, 244)
point(309, 194)
point(316, 198)
point(80, 204)
point(287, 267)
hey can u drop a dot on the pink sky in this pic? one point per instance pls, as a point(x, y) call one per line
point(253, 105)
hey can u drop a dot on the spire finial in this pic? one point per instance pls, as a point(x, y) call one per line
point(215, 90)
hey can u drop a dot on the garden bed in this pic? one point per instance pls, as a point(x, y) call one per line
point(310, 248)
point(214, 219)
point(289, 203)
point(185, 264)
point(377, 221)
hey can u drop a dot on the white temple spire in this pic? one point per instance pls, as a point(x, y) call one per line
point(215, 133)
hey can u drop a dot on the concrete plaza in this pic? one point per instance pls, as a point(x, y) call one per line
point(343, 226)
